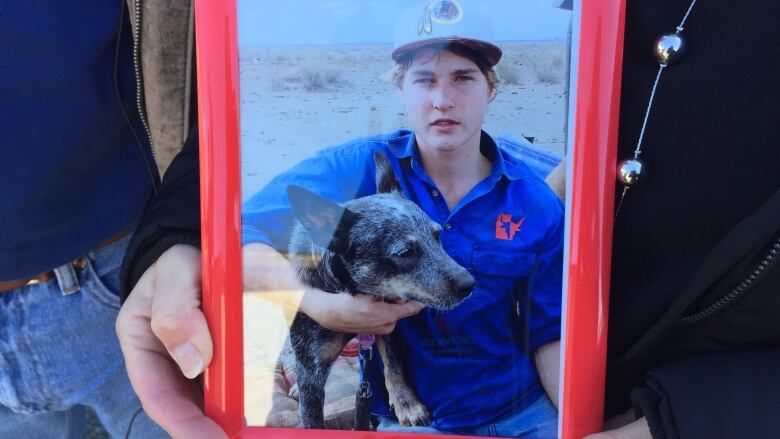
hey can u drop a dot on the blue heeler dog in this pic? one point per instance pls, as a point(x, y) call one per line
point(381, 245)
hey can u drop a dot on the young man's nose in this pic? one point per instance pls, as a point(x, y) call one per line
point(443, 98)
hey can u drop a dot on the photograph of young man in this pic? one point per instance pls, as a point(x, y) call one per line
point(490, 365)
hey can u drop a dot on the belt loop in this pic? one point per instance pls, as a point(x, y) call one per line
point(67, 278)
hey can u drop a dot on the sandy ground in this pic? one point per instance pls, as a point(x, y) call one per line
point(295, 101)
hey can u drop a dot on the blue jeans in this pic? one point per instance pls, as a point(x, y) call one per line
point(58, 348)
point(537, 421)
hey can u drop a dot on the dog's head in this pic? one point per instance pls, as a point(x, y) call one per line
point(383, 245)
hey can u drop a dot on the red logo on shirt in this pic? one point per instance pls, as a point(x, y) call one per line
point(506, 228)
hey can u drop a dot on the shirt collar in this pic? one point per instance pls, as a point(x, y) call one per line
point(403, 146)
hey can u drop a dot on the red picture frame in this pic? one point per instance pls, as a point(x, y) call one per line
point(594, 103)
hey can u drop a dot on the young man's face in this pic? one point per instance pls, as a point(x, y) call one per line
point(446, 98)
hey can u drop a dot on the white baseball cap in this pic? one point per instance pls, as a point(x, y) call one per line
point(442, 22)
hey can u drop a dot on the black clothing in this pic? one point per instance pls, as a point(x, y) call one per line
point(699, 224)
point(170, 218)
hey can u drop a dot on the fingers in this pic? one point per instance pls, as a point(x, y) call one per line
point(167, 397)
point(382, 330)
point(410, 308)
point(159, 316)
point(176, 318)
point(391, 312)
point(380, 317)
point(355, 314)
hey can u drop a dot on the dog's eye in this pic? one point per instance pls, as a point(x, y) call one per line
point(407, 252)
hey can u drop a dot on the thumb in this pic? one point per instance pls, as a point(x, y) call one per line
point(176, 318)
point(410, 308)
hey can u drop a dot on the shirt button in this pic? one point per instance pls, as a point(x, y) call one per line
point(435, 193)
point(447, 226)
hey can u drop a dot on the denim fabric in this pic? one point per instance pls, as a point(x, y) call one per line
point(537, 421)
point(58, 348)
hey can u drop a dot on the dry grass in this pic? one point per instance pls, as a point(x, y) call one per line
point(310, 77)
point(547, 74)
point(546, 68)
point(316, 78)
point(508, 73)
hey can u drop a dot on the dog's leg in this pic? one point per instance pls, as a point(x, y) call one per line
point(408, 408)
point(316, 348)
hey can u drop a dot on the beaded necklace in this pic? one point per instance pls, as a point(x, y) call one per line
point(668, 49)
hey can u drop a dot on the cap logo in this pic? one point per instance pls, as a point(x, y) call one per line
point(439, 11)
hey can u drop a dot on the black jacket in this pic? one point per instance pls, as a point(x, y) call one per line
point(707, 214)
point(172, 217)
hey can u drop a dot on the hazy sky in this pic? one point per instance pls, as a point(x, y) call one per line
point(309, 22)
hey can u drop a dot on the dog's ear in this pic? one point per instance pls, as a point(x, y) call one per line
point(385, 177)
point(327, 222)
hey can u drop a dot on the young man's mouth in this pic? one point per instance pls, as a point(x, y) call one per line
point(444, 122)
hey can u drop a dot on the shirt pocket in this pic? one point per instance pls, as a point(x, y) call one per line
point(491, 260)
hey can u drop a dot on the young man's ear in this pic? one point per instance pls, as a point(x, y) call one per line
point(492, 95)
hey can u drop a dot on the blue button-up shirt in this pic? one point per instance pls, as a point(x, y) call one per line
point(473, 364)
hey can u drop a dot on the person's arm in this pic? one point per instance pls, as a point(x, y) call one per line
point(337, 174)
point(161, 329)
point(171, 217)
point(544, 298)
point(267, 270)
point(544, 287)
point(547, 359)
point(556, 179)
point(726, 394)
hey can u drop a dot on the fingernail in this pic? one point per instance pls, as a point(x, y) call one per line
point(188, 358)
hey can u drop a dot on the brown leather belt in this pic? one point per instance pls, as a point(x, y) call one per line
point(79, 263)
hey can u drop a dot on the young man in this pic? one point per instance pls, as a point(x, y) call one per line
point(473, 366)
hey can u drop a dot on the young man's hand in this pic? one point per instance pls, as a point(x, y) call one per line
point(266, 270)
point(164, 338)
point(358, 314)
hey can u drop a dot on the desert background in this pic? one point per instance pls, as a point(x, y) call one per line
point(296, 100)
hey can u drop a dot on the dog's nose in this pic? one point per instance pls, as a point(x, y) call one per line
point(465, 284)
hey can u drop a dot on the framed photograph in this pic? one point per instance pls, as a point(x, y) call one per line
point(381, 251)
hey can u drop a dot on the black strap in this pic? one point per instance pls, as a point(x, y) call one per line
point(363, 397)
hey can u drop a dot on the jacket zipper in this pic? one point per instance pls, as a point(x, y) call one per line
point(139, 90)
point(758, 273)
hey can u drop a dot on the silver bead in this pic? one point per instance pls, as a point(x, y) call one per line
point(631, 172)
point(669, 49)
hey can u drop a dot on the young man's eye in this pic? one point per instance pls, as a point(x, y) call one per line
point(424, 81)
point(463, 78)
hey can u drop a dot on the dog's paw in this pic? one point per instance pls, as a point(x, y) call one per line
point(412, 414)
point(293, 393)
